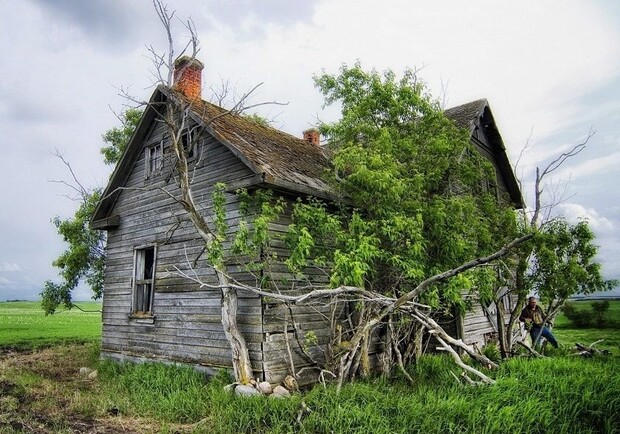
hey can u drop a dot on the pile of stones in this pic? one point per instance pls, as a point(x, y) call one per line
point(264, 388)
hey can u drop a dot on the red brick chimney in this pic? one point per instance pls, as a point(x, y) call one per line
point(312, 136)
point(188, 76)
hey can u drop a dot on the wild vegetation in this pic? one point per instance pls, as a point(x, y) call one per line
point(42, 392)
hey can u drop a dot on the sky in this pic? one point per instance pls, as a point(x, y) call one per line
point(550, 71)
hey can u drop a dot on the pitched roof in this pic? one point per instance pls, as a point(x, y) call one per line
point(276, 158)
point(464, 115)
point(280, 157)
point(478, 115)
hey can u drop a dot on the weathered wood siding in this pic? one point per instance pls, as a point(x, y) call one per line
point(308, 326)
point(186, 324)
point(479, 324)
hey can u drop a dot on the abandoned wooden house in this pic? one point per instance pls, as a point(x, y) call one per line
point(152, 313)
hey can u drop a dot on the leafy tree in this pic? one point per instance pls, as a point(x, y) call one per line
point(84, 258)
point(413, 196)
point(117, 138)
point(563, 263)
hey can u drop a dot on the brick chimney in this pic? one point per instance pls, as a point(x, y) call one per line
point(312, 136)
point(188, 76)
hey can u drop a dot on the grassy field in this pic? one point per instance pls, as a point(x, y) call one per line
point(42, 392)
point(24, 325)
point(568, 335)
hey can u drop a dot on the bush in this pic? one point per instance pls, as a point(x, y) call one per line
point(599, 309)
point(581, 318)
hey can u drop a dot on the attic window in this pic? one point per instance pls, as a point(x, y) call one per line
point(190, 142)
point(154, 159)
point(188, 145)
point(143, 282)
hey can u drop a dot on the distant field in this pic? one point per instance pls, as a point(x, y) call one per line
point(23, 325)
point(568, 335)
point(612, 314)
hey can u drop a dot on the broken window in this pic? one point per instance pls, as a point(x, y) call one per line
point(144, 281)
point(191, 143)
point(154, 159)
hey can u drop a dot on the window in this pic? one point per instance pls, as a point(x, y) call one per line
point(154, 159)
point(188, 146)
point(143, 282)
point(190, 143)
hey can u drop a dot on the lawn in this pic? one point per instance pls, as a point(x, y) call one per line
point(24, 325)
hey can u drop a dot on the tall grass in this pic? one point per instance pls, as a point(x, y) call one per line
point(561, 395)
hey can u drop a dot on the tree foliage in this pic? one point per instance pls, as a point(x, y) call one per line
point(563, 263)
point(117, 138)
point(415, 197)
point(84, 258)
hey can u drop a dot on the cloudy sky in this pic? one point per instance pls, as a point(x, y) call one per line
point(550, 70)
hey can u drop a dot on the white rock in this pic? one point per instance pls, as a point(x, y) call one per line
point(93, 375)
point(280, 392)
point(246, 390)
point(265, 388)
point(85, 371)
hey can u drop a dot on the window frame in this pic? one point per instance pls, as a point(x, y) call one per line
point(191, 143)
point(154, 159)
point(142, 285)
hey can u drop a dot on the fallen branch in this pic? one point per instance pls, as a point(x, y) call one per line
point(467, 368)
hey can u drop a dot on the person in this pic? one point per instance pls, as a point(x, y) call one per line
point(534, 318)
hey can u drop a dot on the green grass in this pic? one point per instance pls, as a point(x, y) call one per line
point(612, 315)
point(560, 395)
point(24, 325)
point(568, 335)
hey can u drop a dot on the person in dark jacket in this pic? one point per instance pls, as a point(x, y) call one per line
point(534, 318)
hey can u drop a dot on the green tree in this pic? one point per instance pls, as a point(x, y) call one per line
point(563, 263)
point(411, 196)
point(84, 258)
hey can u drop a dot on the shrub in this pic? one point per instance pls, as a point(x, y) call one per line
point(599, 309)
point(491, 351)
point(579, 317)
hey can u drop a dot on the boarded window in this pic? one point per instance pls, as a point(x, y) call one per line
point(144, 281)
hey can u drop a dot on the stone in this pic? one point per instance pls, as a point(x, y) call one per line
point(290, 383)
point(280, 392)
point(84, 371)
point(246, 390)
point(265, 388)
point(93, 375)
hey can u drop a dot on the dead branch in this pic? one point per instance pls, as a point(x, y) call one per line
point(531, 350)
point(459, 362)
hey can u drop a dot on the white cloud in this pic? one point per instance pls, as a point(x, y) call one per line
point(590, 167)
point(535, 61)
point(573, 212)
point(4, 281)
point(7, 266)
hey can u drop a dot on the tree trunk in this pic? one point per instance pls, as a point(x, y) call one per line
point(242, 366)
point(501, 327)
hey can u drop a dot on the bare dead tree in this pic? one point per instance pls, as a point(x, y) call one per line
point(532, 222)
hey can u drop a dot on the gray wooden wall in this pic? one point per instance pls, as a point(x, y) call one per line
point(186, 326)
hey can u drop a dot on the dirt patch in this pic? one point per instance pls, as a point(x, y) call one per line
point(38, 391)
